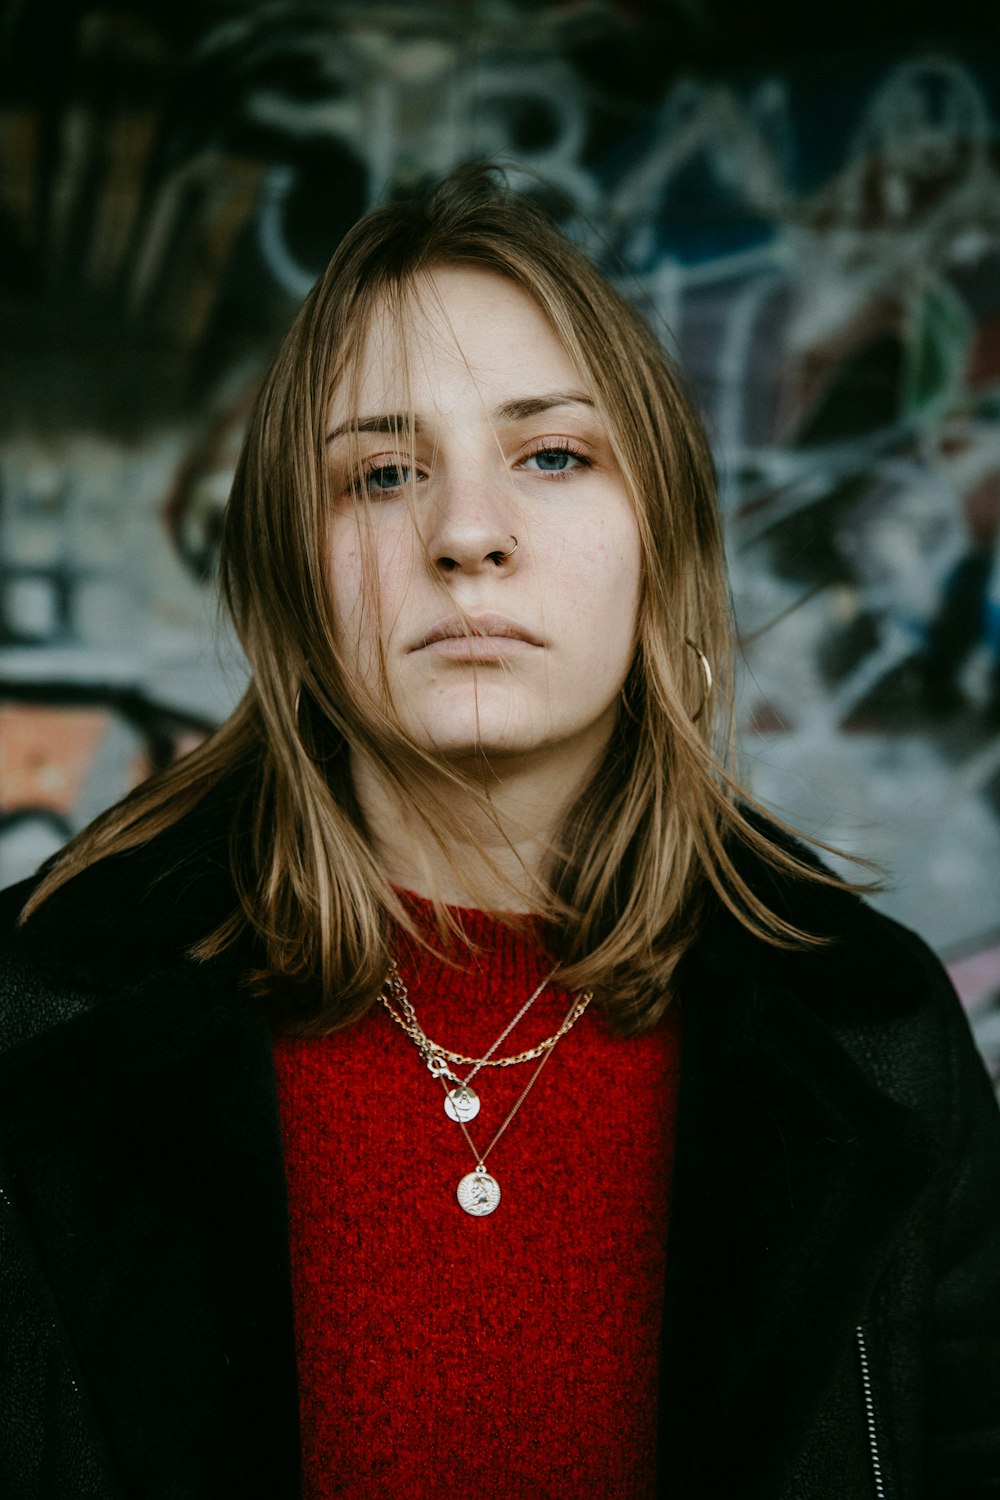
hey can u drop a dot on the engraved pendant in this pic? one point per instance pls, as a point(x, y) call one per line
point(479, 1193)
point(461, 1104)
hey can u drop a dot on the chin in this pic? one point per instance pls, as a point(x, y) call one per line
point(475, 747)
point(463, 727)
point(466, 739)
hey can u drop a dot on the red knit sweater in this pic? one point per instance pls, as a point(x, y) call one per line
point(512, 1355)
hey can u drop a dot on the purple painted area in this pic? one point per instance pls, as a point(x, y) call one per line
point(977, 977)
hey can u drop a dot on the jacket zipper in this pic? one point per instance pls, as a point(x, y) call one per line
point(866, 1386)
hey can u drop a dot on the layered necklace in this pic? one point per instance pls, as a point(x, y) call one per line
point(478, 1192)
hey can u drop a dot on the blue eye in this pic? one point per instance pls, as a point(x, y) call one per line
point(387, 477)
point(382, 481)
point(556, 460)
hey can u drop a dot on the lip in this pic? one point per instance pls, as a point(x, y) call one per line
point(476, 634)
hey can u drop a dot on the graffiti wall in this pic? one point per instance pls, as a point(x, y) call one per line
point(819, 245)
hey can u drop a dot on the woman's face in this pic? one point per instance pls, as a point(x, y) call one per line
point(510, 650)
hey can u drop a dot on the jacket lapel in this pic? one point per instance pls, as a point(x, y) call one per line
point(175, 1296)
point(792, 1177)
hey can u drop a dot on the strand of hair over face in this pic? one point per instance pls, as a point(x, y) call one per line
point(647, 846)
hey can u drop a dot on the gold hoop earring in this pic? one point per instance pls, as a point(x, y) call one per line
point(300, 702)
point(706, 668)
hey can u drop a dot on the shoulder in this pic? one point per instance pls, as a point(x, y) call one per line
point(862, 960)
point(861, 1039)
point(30, 1003)
point(868, 981)
point(115, 921)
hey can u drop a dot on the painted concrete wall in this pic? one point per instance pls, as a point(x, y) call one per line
point(819, 238)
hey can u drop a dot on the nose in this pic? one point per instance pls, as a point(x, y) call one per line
point(474, 528)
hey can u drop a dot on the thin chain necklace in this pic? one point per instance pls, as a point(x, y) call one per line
point(461, 1101)
point(478, 1192)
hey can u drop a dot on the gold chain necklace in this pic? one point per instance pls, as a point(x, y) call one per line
point(462, 1101)
point(478, 1192)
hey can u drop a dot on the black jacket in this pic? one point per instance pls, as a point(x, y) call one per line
point(837, 1169)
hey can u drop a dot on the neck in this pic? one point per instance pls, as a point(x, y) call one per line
point(492, 847)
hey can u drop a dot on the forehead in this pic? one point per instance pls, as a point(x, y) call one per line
point(457, 338)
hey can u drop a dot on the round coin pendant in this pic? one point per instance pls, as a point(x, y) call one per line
point(478, 1193)
point(461, 1104)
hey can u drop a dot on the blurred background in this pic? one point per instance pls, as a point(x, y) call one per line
point(811, 205)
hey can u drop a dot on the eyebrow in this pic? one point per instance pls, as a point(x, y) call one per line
point(532, 406)
point(517, 410)
point(397, 423)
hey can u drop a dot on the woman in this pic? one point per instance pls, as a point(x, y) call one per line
point(442, 1079)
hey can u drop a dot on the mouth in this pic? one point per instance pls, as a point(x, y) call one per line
point(475, 631)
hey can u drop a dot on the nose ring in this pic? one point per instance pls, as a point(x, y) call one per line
point(501, 557)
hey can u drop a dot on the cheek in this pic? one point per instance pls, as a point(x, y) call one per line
point(346, 582)
point(609, 590)
point(371, 576)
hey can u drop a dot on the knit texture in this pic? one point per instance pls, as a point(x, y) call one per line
point(512, 1355)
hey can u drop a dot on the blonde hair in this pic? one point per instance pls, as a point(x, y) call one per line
point(661, 820)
